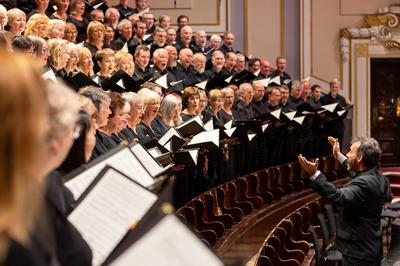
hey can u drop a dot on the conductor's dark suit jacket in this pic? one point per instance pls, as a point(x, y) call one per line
point(360, 201)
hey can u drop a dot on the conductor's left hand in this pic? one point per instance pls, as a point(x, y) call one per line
point(310, 167)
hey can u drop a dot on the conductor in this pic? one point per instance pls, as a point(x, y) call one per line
point(360, 201)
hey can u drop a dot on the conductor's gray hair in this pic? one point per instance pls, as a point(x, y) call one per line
point(370, 150)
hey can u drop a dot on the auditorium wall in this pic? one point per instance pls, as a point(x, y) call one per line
point(321, 22)
point(267, 28)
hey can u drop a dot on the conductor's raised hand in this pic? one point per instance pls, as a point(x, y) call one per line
point(310, 167)
point(335, 146)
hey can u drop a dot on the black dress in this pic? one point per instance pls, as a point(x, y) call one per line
point(158, 126)
point(130, 135)
point(103, 144)
point(55, 240)
point(143, 131)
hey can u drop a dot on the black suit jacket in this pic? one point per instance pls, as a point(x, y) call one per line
point(360, 201)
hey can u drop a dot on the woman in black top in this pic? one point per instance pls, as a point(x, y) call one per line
point(55, 239)
point(110, 132)
point(105, 59)
point(62, 8)
point(190, 103)
point(58, 56)
point(151, 107)
point(82, 148)
point(21, 156)
point(95, 37)
point(135, 115)
point(77, 9)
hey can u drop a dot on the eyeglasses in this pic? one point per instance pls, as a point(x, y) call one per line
point(77, 131)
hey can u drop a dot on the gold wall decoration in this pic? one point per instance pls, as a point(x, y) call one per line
point(362, 50)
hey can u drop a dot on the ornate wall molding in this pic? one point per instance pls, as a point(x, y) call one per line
point(382, 27)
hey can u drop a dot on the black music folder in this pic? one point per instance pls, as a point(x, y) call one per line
point(152, 165)
point(191, 127)
point(187, 157)
point(121, 158)
point(205, 139)
point(161, 238)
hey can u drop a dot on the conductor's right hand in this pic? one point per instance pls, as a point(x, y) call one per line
point(335, 146)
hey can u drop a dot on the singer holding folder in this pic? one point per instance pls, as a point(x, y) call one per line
point(23, 114)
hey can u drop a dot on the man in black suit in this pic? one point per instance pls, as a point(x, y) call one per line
point(227, 46)
point(335, 125)
point(360, 201)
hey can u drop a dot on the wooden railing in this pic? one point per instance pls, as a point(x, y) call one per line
point(267, 199)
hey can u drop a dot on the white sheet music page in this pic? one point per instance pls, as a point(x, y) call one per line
point(168, 243)
point(228, 125)
point(147, 160)
point(107, 212)
point(229, 132)
point(123, 161)
point(206, 136)
point(209, 125)
point(168, 135)
point(330, 107)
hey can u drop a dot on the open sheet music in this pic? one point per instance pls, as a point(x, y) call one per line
point(108, 210)
point(123, 160)
point(152, 166)
point(168, 135)
point(205, 139)
point(169, 242)
point(191, 127)
point(187, 157)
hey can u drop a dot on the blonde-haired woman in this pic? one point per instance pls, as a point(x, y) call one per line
point(56, 29)
point(212, 111)
point(22, 155)
point(151, 106)
point(58, 56)
point(85, 61)
point(124, 61)
point(37, 25)
point(95, 37)
point(16, 21)
point(168, 116)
